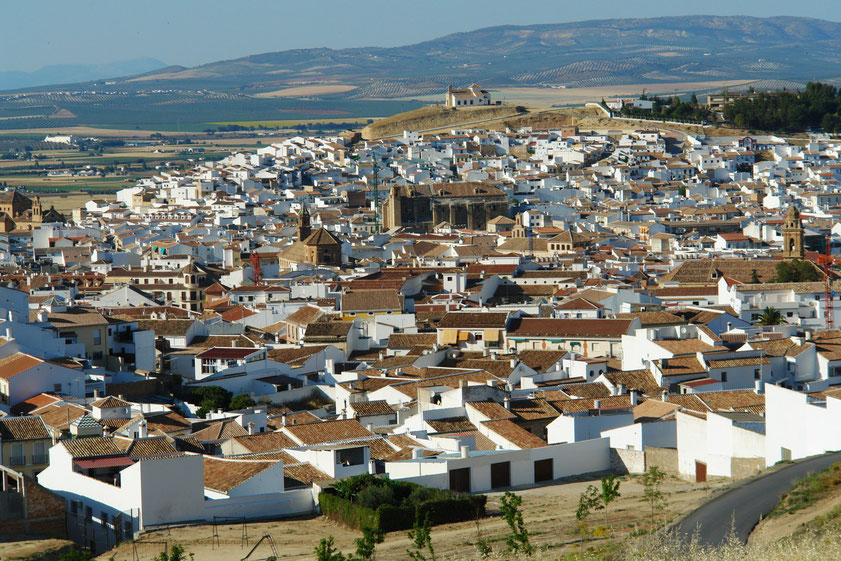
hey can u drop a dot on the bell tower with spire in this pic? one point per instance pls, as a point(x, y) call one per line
point(793, 234)
point(304, 228)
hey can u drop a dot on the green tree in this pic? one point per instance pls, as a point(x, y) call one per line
point(610, 492)
point(367, 543)
point(325, 551)
point(518, 541)
point(797, 270)
point(769, 316)
point(421, 539)
point(588, 501)
point(176, 553)
point(754, 278)
point(241, 401)
point(652, 479)
point(75, 555)
point(210, 398)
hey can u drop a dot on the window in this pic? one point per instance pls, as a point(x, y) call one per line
point(757, 374)
point(97, 337)
point(18, 457)
point(39, 452)
point(724, 376)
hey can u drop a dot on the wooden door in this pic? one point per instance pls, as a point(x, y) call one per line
point(543, 470)
point(700, 472)
point(500, 475)
point(460, 480)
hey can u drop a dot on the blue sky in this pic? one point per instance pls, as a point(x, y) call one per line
point(37, 33)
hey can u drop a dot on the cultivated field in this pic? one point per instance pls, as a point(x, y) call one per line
point(315, 89)
point(549, 512)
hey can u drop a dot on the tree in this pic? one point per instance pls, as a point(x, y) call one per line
point(796, 270)
point(587, 502)
point(366, 544)
point(176, 553)
point(325, 551)
point(421, 539)
point(518, 541)
point(769, 316)
point(694, 99)
point(653, 495)
point(241, 401)
point(610, 492)
point(754, 278)
point(210, 398)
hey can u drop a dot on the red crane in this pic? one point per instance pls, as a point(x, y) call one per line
point(827, 261)
point(258, 272)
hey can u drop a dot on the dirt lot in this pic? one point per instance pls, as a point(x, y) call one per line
point(33, 549)
point(548, 511)
point(776, 527)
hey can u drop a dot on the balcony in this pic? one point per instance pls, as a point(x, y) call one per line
point(38, 459)
point(17, 461)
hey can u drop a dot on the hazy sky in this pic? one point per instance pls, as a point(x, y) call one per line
point(36, 33)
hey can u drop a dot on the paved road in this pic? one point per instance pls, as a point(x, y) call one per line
point(747, 503)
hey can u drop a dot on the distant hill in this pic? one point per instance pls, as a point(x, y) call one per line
point(590, 53)
point(74, 73)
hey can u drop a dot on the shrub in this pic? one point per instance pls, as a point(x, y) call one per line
point(373, 496)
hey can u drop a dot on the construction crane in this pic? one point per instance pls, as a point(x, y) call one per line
point(258, 271)
point(827, 261)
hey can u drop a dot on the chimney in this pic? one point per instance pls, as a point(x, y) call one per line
point(597, 404)
point(121, 396)
point(369, 427)
point(506, 402)
point(251, 427)
point(623, 389)
point(330, 365)
point(96, 394)
point(808, 335)
point(143, 432)
point(465, 451)
point(513, 363)
point(759, 386)
point(417, 453)
point(665, 396)
point(635, 398)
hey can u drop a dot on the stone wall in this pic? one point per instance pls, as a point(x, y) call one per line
point(627, 461)
point(745, 467)
point(663, 458)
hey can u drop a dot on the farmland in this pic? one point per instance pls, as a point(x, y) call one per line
point(177, 111)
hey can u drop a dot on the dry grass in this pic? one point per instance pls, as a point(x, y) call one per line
point(549, 512)
point(435, 117)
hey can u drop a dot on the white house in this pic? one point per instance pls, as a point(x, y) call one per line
point(725, 444)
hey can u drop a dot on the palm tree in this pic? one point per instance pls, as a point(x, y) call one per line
point(769, 316)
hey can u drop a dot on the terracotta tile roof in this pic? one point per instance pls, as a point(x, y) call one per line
point(409, 340)
point(28, 405)
point(540, 360)
point(76, 317)
point(653, 410)
point(220, 430)
point(640, 380)
point(368, 408)
point(450, 424)
point(222, 475)
point(653, 319)
point(302, 475)
point(150, 447)
point(737, 362)
point(410, 389)
point(22, 428)
point(109, 402)
point(371, 301)
point(595, 390)
point(265, 442)
point(731, 400)
point(515, 434)
point(532, 409)
point(59, 417)
point(380, 449)
point(491, 409)
point(689, 401)
point(17, 363)
point(305, 315)
point(294, 355)
point(92, 447)
point(586, 404)
point(682, 366)
point(474, 320)
point(326, 432)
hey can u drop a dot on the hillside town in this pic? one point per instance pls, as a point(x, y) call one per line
point(471, 311)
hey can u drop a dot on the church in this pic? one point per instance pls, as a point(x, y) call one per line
point(319, 248)
point(19, 212)
point(462, 205)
